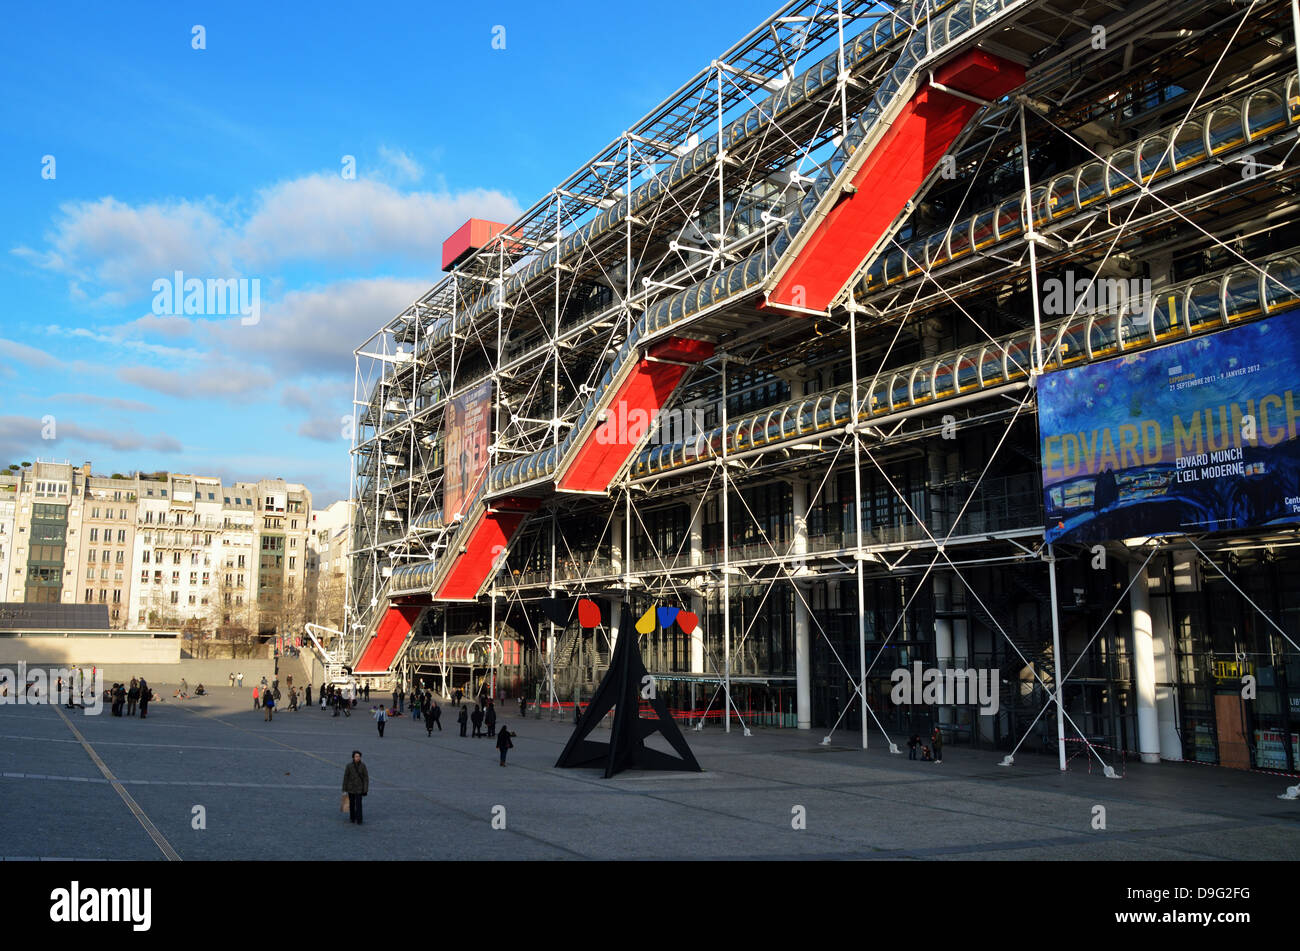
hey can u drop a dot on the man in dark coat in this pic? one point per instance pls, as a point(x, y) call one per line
point(132, 698)
point(428, 720)
point(490, 718)
point(435, 712)
point(356, 783)
point(477, 718)
point(936, 740)
point(503, 743)
point(145, 696)
point(307, 695)
point(463, 718)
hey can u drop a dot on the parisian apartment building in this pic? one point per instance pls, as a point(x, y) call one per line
point(165, 550)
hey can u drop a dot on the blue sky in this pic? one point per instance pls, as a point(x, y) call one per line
point(225, 163)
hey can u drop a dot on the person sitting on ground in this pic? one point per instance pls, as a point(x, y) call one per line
point(199, 691)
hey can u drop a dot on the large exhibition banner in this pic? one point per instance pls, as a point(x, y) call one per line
point(468, 427)
point(1197, 436)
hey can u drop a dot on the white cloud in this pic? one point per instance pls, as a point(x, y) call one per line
point(114, 251)
point(403, 166)
point(217, 378)
point(315, 331)
point(327, 218)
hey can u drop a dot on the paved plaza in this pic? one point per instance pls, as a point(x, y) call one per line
point(99, 787)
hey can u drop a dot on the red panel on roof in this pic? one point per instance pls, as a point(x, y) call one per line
point(469, 237)
point(914, 144)
point(394, 628)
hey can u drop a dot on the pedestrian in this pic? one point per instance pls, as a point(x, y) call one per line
point(523, 707)
point(401, 700)
point(428, 720)
point(307, 695)
point(477, 718)
point(936, 740)
point(264, 683)
point(239, 677)
point(146, 694)
point(381, 717)
point(185, 689)
point(268, 705)
point(463, 718)
point(232, 678)
point(436, 713)
point(577, 712)
point(293, 699)
point(257, 698)
point(490, 718)
point(132, 697)
point(912, 744)
point(367, 691)
point(356, 783)
point(456, 700)
point(415, 706)
point(503, 743)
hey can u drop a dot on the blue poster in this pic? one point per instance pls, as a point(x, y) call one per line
point(1198, 436)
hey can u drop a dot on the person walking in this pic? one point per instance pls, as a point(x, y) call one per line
point(463, 718)
point(367, 691)
point(239, 677)
point(523, 706)
point(381, 717)
point(185, 689)
point(307, 695)
point(401, 700)
point(145, 696)
point(268, 705)
point(936, 740)
point(477, 718)
point(356, 783)
point(293, 699)
point(232, 679)
point(490, 718)
point(428, 720)
point(503, 743)
point(257, 698)
point(435, 711)
point(132, 697)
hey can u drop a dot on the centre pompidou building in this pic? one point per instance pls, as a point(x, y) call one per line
point(838, 351)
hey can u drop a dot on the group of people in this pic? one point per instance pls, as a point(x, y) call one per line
point(121, 696)
point(932, 753)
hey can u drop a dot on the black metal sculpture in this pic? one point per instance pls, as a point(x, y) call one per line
point(622, 689)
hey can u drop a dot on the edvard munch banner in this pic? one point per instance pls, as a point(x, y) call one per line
point(1197, 436)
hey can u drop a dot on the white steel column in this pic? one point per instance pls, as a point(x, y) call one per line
point(1056, 658)
point(858, 554)
point(726, 560)
point(802, 635)
point(1144, 666)
point(697, 601)
point(616, 568)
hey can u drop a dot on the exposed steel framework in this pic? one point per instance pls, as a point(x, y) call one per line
point(822, 202)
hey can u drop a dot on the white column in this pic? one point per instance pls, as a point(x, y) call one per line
point(943, 649)
point(1144, 663)
point(697, 601)
point(616, 568)
point(802, 636)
